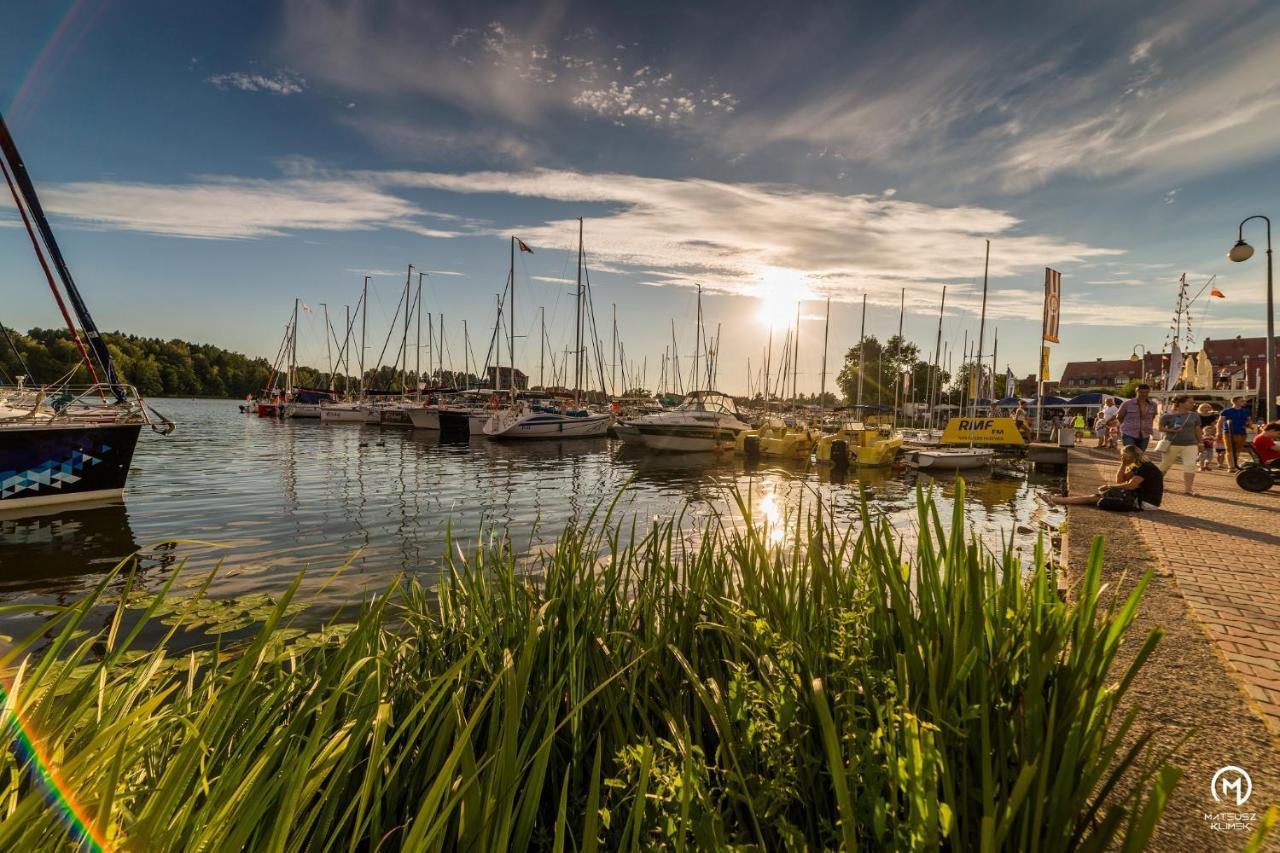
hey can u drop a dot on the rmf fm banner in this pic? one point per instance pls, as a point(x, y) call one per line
point(1052, 304)
point(1044, 363)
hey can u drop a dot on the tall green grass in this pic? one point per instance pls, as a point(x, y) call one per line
point(631, 689)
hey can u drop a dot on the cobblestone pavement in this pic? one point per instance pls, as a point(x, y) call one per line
point(1222, 548)
point(1194, 695)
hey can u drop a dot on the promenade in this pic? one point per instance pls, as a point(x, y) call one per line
point(1215, 677)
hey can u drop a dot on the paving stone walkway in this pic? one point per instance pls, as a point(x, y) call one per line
point(1223, 550)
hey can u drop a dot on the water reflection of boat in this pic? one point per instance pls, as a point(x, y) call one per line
point(62, 543)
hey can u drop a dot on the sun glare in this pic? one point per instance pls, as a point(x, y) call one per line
point(780, 292)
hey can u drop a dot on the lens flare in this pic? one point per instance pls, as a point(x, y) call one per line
point(55, 791)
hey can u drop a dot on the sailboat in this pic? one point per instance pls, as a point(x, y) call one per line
point(62, 444)
point(961, 458)
point(537, 419)
point(860, 440)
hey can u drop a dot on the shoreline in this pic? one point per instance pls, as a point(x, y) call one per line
point(1187, 687)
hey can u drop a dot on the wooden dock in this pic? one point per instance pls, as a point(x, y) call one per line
point(1047, 457)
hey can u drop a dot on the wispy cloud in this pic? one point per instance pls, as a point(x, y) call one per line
point(284, 81)
point(225, 208)
point(525, 77)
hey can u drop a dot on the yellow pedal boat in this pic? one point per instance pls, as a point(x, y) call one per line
point(860, 443)
point(775, 439)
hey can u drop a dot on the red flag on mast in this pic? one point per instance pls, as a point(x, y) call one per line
point(1217, 293)
point(523, 247)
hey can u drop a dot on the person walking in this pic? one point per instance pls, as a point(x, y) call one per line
point(1137, 479)
point(1135, 418)
point(1233, 424)
point(1181, 425)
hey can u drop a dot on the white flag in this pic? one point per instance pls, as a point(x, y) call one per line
point(1175, 367)
point(1010, 384)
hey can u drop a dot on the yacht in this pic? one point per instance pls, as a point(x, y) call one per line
point(705, 420)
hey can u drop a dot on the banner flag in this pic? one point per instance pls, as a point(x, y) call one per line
point(1044, 364)
point(1052, 304)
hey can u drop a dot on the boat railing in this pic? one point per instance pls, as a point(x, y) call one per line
point(97, 403)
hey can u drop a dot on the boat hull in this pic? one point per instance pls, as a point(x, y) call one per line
point(46, 465)
point(425, 418)
point(953, 460)
point(302, 410)
point(628, 433)
point(502, 426)
point(687, 439)
point(342, 415)
point(395, 416)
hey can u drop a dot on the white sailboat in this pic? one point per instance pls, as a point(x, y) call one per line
point(959, 458)
point(528, 420)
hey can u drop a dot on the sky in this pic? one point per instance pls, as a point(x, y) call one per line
point(205, 164)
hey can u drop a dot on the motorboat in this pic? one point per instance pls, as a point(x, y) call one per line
point(776, 439)
point(540, 420)
point(705, 420)
point(861, 443)
point(951, 458)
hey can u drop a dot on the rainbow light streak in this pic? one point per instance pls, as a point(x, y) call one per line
point(55, 792)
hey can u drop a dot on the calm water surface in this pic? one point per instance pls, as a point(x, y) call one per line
point(269, 498)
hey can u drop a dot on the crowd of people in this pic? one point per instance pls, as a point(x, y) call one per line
point(1195, 438)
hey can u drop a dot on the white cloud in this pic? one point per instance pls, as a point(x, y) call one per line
point(222, 208)
point(284, 81)
point(731, 237)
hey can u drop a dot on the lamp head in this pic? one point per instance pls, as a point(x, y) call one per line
point(1241, 251)
point(1134, 357)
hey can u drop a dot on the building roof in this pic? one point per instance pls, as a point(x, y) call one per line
point(1233, 351)
point(1108, 371)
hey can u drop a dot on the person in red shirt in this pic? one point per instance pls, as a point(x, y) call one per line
point(1266, 445)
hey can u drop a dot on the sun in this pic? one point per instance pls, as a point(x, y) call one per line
point(780, 292)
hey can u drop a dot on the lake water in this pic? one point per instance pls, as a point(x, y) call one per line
point(269, 498)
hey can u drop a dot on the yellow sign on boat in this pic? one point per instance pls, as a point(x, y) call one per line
point(997, 432)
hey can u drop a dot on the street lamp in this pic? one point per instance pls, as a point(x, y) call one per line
point(1242, 251)
point(1142, 358)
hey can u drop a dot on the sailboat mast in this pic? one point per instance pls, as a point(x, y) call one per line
point(936, 385)
point(613, 379)
point(542, 347)
point(346, 348)
point(328, 350)
point(826, 337)
point(511, 320)
point(404, 338)
point(795, 360)
point(364, 329)
point(902, 307)
point(982, 327)
point(862, 350)
point(293, 347)
point(697, 340)
point(417, 351)
point(577, 325)
point(466, 351)
point(768, 365)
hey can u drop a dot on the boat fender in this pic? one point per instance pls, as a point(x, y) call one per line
point(751, 446)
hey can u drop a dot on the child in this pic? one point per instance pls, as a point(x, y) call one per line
point(1100, 429)
point(1205, 460)
point(1220, 449)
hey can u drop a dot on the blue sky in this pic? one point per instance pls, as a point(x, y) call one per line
point(206, 163)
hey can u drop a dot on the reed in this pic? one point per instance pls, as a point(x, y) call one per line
point(630, 689)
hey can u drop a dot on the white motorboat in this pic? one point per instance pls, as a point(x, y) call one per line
point(706, 420)
point(951, 458)
point(541, 421)
point(628, 432)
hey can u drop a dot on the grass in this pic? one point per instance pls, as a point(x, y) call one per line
point(625, 691)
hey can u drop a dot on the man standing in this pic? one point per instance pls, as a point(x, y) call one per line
point(1135, 417)
point(1233, 423)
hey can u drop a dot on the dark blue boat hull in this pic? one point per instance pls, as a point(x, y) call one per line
point(45, 465)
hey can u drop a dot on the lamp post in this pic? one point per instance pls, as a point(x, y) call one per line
point(1242, 251)
point(1140, 358)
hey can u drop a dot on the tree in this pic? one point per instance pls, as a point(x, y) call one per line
point(854, 361)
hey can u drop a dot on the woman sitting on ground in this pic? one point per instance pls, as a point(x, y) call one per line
point(1136, 475)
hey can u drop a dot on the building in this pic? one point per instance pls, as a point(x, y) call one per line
point(1230, 364)
point(1080, 376)
point(500, 378)
point(1026, 386)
